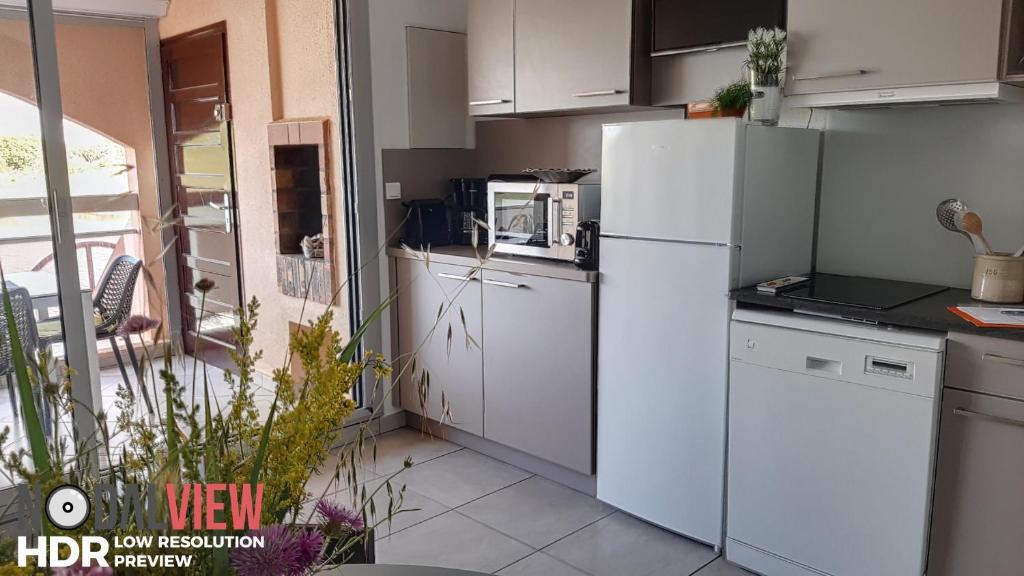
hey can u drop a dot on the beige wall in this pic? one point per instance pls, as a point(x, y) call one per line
point(104, 83)
point(282, 65)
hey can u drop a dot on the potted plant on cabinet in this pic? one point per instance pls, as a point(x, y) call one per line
point(731, 101)
point(766, 62)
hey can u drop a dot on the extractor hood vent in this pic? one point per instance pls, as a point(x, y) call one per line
point(947, 94)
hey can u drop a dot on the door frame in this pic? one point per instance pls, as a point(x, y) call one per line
point(172, 200)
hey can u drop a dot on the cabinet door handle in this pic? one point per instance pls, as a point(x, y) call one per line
point(596, 93)
point(504, 284)
point(1003, 360)
point(455, 277)
point(990, 417)
point(488, 102)
point(840, 74)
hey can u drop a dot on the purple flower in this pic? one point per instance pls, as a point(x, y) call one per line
point(279, 554)
point(310, 543)
point(338, 520)
point(138, 324)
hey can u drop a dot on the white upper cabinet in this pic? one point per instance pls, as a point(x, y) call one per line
point(491, 58)
point(537, 56)
point(842, 45)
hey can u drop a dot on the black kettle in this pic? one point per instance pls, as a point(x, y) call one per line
point(588, 236)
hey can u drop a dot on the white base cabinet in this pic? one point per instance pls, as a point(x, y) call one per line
point(978, 517)
point(527, 383)
point(538, 367)
point(455, 370)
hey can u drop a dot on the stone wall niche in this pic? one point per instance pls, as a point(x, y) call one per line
point(299, 160)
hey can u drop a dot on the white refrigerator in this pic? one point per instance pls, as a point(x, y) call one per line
point(690, 209)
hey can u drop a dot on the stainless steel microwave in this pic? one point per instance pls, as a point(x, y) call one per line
point(539, 219)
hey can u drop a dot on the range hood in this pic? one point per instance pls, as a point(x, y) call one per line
point(937, 95)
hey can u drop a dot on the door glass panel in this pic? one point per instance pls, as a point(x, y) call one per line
point(111, 164)
point(26, 243)
point(521, 218)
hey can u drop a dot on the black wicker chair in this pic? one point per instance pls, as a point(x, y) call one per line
point(112, 305)
point(25, 324)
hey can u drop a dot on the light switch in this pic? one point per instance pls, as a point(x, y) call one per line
point(393, 190)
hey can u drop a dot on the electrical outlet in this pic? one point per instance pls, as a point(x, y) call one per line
point(393, 190)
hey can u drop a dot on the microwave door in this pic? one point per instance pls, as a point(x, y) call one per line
point(522, 219)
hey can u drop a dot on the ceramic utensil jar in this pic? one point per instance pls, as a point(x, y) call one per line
point(998, 278)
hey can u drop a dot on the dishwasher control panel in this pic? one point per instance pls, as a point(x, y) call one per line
point(885, 367)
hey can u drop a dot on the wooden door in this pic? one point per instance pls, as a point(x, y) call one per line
point(538, 343)
point(195, 72)
point(456, 370)
point(837, 45)
point(572, 54)
point(491, 57)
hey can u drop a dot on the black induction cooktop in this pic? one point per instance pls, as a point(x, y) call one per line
point(870, 293)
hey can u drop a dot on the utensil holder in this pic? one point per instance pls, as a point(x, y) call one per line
point(998, 278)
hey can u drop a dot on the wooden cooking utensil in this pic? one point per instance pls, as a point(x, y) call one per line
point(971, 223)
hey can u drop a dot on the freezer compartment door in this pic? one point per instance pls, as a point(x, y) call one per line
point(672, 179)
point(662, 370)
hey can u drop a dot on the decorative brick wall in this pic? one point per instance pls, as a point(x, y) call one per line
point(299, 161)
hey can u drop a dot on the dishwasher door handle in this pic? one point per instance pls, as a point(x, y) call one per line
point(816, 364)
point(990, 417)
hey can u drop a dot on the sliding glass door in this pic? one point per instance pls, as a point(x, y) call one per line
point(38, 250)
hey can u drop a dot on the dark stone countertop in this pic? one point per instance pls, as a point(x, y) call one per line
point(929, 313)
point(467, 256)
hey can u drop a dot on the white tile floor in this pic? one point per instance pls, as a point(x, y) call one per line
point(465, 510)
point(475, 513)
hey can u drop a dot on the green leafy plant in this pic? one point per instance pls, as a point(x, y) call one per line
point(735, 96)
point(766, 55)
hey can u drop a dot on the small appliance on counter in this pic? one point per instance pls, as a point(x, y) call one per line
point(426, 224)
point(529, 217)
point(588, 255)
point(468, 203)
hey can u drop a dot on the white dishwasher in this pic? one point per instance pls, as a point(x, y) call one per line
point(832, 428)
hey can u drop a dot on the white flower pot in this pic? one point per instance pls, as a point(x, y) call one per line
point(765, 104)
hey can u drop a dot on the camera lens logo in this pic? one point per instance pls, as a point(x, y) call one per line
point(67, 507)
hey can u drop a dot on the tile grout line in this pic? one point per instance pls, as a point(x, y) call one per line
point(709, 562)
point(492, 492)
point(555, 558)
point(450, 509)
point(415, 464)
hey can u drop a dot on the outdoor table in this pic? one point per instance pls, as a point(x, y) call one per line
point(42, 286)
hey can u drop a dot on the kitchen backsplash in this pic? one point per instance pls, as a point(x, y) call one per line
point(885, 170)
point(505, 146)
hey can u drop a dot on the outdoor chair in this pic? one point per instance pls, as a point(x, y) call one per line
point(112, 305)
point(25, 324)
